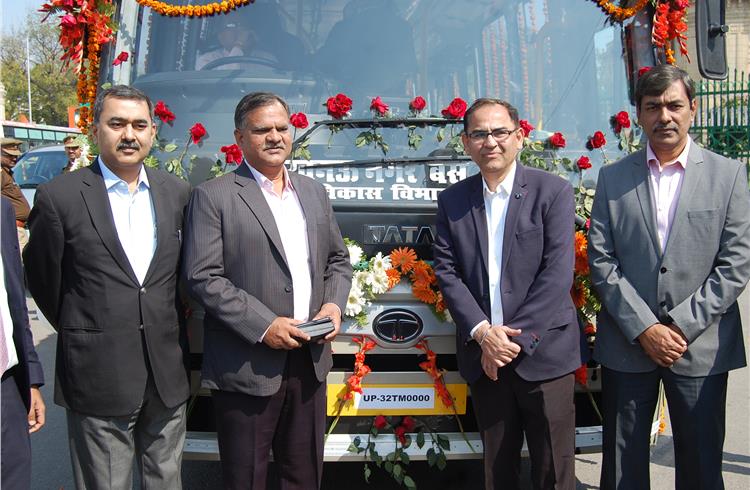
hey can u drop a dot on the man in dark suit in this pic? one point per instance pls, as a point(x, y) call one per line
point(669, 248)
point(504, 261)
point(263, 253)
point(22, 408)
point(102, 264)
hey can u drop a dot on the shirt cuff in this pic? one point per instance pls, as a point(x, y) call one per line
point(476, 327)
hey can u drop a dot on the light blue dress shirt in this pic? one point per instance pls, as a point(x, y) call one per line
point(134, 219)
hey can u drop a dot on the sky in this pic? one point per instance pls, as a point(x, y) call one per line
point(13, 12)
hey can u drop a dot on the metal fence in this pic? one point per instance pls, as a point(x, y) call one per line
point(722, 122)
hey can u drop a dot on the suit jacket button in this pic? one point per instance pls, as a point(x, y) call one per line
point(140, 327)
point(663, 270)
point(288, 289)
point(143, 290)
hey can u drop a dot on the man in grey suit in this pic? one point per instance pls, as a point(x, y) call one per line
point(669, 248)
point(263, 253)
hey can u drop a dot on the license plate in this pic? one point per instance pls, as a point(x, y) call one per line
point(401, 399)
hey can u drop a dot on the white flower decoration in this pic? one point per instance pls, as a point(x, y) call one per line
point(355, 254)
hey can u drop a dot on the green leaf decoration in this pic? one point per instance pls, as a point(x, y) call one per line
point(444, 442)
point(170, 147)
point(420, 439)
point(409, 482)
point(368, 472)
point(151, 161)
point(440, 135)
point(431, 457)
point(441, 461)
point(389, 467)
point(405, 458)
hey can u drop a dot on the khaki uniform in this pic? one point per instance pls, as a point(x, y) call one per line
point(20, 205)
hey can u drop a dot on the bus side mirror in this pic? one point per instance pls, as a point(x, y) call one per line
point(710, 39)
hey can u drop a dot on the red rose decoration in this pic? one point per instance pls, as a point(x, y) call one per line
point(619, 121)
point(380, 422)
point(123, 56)
point(339, 106)
point(581, 375)
point(456, 109)
point(197, 132)
point(418, 104)
point(400, 432)
point(597, 140)
point(162, 112)
point(557, 140)
point(525, 127)
point(232, 154)
point(583, 163)
point(68, 21)
point(643, 70)
point(378, 106)
point(408, 423)
point(299, 120)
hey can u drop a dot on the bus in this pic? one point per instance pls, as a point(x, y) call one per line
point(32, 135)
point(559, 63)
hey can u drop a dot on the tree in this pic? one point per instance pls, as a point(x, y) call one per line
point(53, 89)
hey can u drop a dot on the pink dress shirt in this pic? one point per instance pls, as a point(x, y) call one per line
point(665, 182)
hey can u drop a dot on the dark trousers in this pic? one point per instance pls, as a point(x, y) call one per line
point(291, 422)
point(510, 407)
point(697, 412)
point(15, 471)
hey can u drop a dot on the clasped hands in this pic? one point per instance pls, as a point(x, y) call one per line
point(284, 334)
point(497, 347)
point(663, 343)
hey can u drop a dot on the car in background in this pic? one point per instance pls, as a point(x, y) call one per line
point(38, 166)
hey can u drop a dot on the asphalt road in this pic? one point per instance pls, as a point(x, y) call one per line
point(51, 463)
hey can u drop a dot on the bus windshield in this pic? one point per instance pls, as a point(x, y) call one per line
point(555, 61)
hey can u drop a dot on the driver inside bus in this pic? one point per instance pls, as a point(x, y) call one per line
point(235, 39)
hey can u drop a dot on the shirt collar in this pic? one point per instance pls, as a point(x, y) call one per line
point(266, 183)
point(110, 179)
point(681, 159)
point(505, 187)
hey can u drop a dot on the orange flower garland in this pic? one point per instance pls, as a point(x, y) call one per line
point(669, 24)
point(620, 14)
point(166, 9)
point(354, 383)
point(430, 367)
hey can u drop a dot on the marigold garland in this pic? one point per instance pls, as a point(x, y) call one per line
point(620, 14)
point(166, 9)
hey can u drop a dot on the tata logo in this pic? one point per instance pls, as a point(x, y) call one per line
point(411, 235)
point(397, 326)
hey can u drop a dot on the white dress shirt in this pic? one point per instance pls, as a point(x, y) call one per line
point(9, 357)
point(496, 209)
point(290, 221)
point(666, 183)
point(134, 219)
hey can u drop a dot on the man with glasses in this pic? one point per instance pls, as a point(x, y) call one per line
point(504, 260)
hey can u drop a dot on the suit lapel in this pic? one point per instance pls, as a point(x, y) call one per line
point(309, 209)
point(480, 218)
point(515, 203)
point(161, 212)
point(94, 195)
point(252, 195)
point(643, 189)
point(693, 174)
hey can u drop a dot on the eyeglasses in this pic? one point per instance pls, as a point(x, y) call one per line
point(499, 135)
